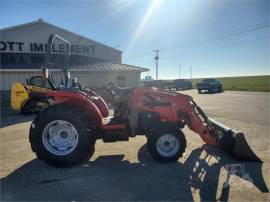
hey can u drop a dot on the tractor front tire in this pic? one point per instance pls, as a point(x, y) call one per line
point(166, 143)
point(61, 135)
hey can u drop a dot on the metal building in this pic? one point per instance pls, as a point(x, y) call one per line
point(23, 49)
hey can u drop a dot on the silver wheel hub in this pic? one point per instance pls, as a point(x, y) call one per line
point(60, 137)
point(167, 145)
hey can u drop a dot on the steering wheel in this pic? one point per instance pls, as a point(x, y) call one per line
point(75, 84)
point(109, 88)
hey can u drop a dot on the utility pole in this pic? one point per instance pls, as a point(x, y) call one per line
point(190, 69)
point(156, 59)
point(179, 70)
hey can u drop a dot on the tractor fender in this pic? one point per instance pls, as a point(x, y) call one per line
point(100, 103)
point(80, 100)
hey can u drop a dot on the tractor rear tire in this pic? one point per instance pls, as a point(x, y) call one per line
point(61, 135)
point(166, 143)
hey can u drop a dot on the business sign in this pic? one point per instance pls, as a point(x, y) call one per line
point(32, 47)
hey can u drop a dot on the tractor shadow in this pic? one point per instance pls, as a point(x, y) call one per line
point(111, 178)
point(10, 117)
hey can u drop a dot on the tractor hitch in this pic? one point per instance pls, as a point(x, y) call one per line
point(233, 142)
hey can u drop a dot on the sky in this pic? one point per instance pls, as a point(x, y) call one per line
point(205, 38)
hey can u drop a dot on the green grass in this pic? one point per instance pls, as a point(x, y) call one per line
point(242, 83)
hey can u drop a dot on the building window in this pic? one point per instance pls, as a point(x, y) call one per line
point(121, 81)
point(84, 80)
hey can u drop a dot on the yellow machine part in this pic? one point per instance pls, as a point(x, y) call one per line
point(38, 89)
point(19, 95)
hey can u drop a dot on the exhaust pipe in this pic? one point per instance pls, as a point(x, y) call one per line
point(233, 142)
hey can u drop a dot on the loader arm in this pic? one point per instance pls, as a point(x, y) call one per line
point(214, 133)
point(179, 108)
point(174, 107)
point(196, 119)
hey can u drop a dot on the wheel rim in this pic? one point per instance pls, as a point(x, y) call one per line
point(60, 137)
point(167, 145)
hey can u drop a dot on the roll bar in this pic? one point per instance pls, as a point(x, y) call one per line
point(49, 64)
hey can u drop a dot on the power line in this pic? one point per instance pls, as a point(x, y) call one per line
point(239, 31)
point(244, 31)
point(227, 35)
point(221, 37)
point(233, 45)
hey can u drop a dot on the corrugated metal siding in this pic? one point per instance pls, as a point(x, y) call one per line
point(7, 78)
point(108, 66)
point(87, 78)
point(92, 75)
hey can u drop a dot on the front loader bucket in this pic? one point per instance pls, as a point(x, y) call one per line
point(233, 142)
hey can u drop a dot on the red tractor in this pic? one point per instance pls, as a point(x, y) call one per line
point(64, 134)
